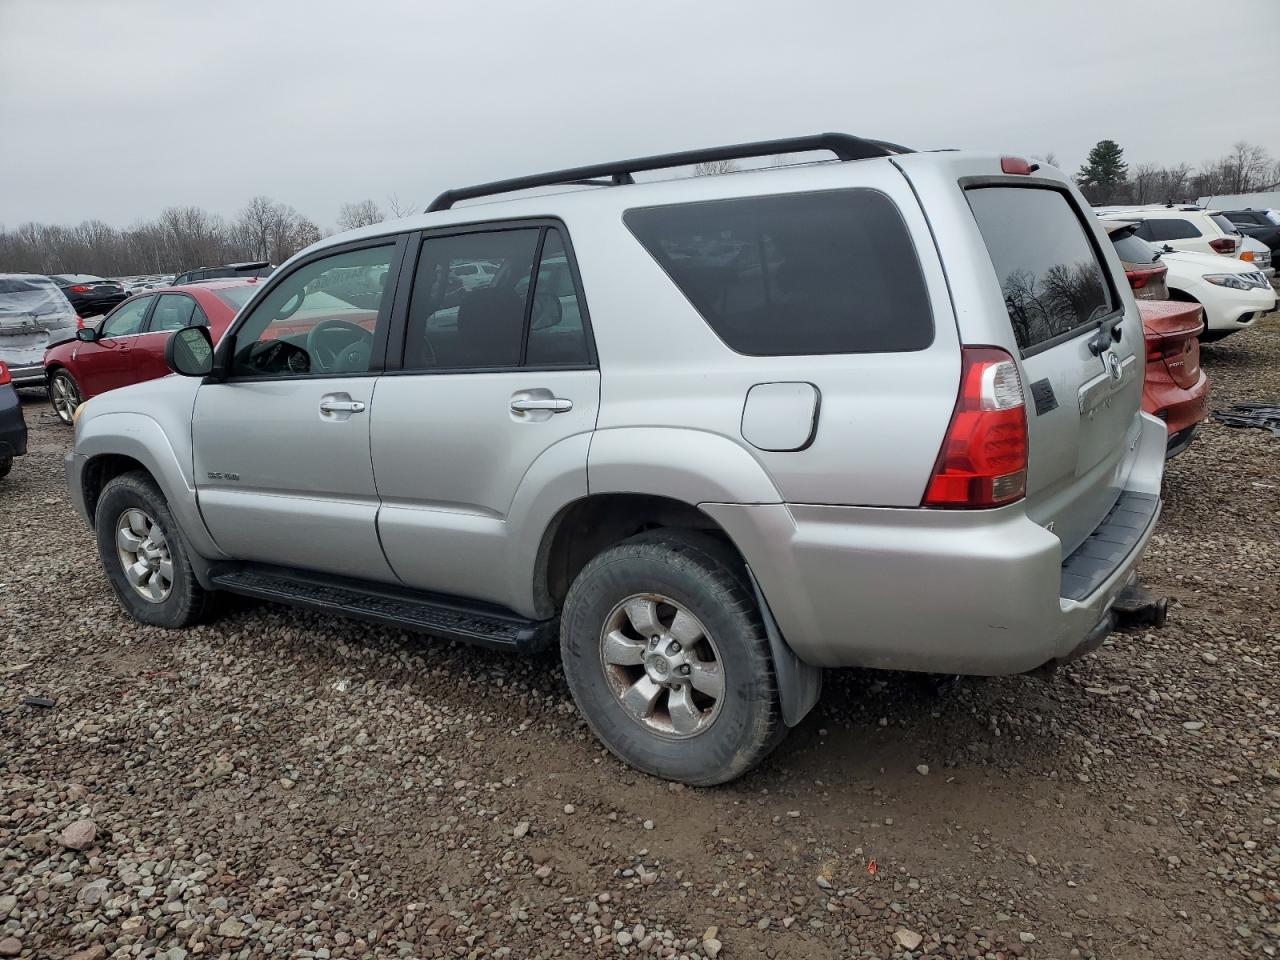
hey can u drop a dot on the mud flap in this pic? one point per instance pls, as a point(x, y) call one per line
point(799, 683)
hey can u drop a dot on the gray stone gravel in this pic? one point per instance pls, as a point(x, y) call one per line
point(275, 784)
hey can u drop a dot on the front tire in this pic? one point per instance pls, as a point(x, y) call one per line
point(668, 660)
point(64, 394)
point(6, 464)
point(143, 554)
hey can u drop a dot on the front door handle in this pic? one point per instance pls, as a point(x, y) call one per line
point(339, 406)
point(552, 404)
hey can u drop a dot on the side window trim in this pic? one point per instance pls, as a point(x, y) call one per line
point(531, 293)
point(399, 328)
point(386, 309)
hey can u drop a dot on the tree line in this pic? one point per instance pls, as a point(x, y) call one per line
point(1106, 178)
point(181, 238)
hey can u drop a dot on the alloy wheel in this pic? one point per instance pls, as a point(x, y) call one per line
point(144, 554)
point(662, 665)
point(65, 398)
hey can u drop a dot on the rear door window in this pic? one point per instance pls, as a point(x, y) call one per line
point(1173, 228)
point(173, 312)
point(795, 274)
point(1053, 281)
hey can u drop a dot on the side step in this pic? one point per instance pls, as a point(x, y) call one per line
point(455, 619)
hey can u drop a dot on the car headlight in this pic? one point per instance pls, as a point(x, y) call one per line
point(1233, 280)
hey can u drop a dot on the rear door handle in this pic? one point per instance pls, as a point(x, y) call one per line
point(551, 404)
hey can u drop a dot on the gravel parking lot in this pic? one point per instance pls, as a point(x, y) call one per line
point(280, 784)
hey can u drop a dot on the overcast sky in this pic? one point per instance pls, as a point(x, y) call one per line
point(115, 109)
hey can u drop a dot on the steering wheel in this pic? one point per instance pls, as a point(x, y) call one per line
point(347, 357)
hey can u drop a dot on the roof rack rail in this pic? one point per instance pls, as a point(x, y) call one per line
point(843, 145)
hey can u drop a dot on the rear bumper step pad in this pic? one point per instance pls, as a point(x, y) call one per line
point(1096, 559)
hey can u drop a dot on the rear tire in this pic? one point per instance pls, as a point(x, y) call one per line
point(703, 711)
point(6, 464)
point(64, 395)
point(143, 554)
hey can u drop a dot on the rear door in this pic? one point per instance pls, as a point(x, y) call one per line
point(1062, 291)
point(497, 387)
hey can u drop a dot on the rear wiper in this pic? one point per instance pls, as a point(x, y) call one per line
point(1109, 332)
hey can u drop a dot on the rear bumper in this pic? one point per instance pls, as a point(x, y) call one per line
point(28, 376)
point(983, 592)
point(13, 426)
point(1179, 407)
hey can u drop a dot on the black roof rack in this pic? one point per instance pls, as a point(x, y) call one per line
point(843, 145)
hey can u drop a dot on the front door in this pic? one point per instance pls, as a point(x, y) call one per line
point(104, 364)
point(282, 465)
point(489, 417)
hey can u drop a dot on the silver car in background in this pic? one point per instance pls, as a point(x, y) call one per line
point(34, 314)
point(714, 434)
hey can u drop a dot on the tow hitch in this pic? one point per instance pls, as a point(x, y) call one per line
point(1136, 606)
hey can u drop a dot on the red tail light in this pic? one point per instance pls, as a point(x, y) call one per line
point(79, 322)
point(79, 288)
point(1224, 244)
point(983, 460)
point(1140, 278)
point(1015, 165)
point(4, 374)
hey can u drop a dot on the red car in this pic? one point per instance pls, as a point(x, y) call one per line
point(128, 345)
point(1176, 390)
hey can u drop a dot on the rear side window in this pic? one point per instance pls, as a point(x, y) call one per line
point(1171, 229)
point(1048, 270)
point(795, 274)
point(1223, 223)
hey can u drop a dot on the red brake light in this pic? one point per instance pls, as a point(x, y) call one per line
point(983, 460)
point(79, 322)
point(1015, 165)
point(1139, 278)
point(1224, 244)
point(4, 374)
point(79, 288)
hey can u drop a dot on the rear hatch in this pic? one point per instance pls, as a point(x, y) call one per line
point(34, 314)
point(1172, 329)
point(1050, 291)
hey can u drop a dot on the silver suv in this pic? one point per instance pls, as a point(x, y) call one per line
point(713, 433)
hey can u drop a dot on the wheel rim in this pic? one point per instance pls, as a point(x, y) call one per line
point(144, 555)
point(65, 398)
point(662, 666)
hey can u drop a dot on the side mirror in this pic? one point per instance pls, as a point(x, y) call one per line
point(87, 334)
point(189, 352)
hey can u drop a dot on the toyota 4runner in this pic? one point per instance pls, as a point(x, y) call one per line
point(714, 434)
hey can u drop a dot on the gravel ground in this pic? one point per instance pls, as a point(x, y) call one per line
point(280, 784)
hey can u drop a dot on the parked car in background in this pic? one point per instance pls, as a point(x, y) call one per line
point(1234, 294)
point(34, 313)
point(128, 346)
point(13, 425)
point(1258, 224)
point(257, 268)
point(793, 430)
point(1175, 388)
point(1181, 227)
point(1141, 261)
point(90, 296)
point(1253, 250)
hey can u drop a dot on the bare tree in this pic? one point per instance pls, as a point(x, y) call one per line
point(364, 213)
point(1144, 184)
point(399, 209)
point(1049, 158)
point(1246, 168)
point(255, 225)
point(713, 167)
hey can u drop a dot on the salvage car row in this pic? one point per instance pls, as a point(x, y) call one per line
point(798, 395)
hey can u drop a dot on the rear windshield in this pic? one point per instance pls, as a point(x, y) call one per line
point(1226, 225)
point(236, 297)
point(1133, 249)
point(1052, 281)
point(801, 273)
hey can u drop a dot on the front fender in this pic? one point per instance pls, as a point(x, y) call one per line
point(141, 438)
point(693, 466)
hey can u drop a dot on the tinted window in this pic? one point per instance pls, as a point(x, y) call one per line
point(236, 297)
point(1248, 219)
point(1225, 225)
point(475, 320)
point(127, 319)
point(556, 334)
point(1161, 230)
point(173, 312)
point(320, 319)
point(1133, 249)
point(1047, 268)
point(809, 273)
